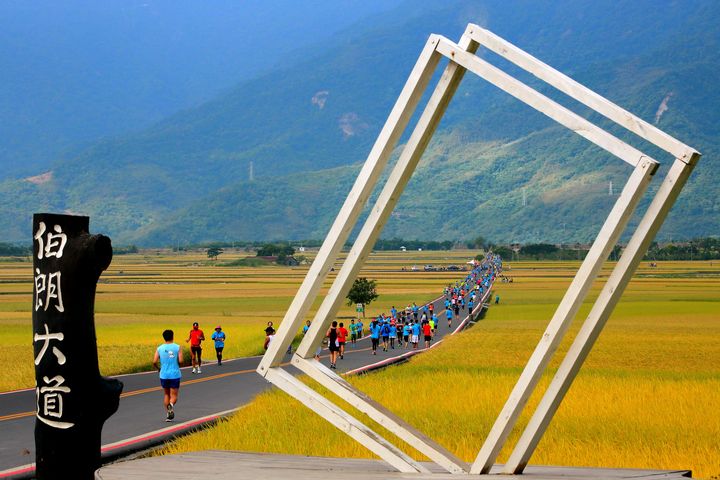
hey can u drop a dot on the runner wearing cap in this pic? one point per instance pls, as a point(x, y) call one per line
point(219, 337)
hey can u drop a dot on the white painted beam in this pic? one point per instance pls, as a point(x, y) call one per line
point(385, 203)
point(461, 58)
point(601, 311)
point(541, 103)
point(571, 302)
point(582, 94)
point(351, 209)
point(344, 421)
point(394, 424)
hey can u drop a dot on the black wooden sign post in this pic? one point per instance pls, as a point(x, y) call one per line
point(73, 400)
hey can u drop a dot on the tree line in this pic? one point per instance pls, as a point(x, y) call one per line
point(697, 249)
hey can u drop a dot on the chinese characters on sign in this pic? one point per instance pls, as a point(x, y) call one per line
point(48, 292)
point(73, 400)
point(51, 399)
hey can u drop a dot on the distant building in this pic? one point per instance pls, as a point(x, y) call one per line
point(403, 249)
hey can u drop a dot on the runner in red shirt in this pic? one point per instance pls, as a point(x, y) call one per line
point(427, 331)
point(195, 338)
point(342, 334)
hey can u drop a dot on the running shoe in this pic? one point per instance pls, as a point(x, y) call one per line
point(170, 413)
point(194, 370)
point(199, 371)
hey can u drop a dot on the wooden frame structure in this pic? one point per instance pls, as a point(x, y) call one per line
point(462, 58)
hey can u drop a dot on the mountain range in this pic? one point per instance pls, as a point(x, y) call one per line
point(274, 156)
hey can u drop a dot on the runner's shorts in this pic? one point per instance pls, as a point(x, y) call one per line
point(170, 382)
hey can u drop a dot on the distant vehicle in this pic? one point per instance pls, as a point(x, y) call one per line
point(454, 268)
point(430, 268)
point(414, 268)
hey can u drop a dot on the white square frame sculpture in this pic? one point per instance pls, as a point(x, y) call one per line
point(461, 58)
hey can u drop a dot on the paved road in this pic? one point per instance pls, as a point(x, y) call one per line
point(140, 419)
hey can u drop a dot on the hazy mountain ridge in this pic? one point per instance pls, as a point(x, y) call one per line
point(78, 70)
point(187, 177)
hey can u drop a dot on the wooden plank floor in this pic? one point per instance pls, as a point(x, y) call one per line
point(220, 465)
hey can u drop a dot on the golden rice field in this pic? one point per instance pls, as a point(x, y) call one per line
point(141, 295)
point(647, 397)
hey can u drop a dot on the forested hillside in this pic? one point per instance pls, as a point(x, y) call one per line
point(495, 167)
point(77, 70)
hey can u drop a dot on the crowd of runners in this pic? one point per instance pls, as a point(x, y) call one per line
point(406, 328)
point(415, 325)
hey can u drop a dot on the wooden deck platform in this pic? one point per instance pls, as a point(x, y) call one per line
point(220, 465)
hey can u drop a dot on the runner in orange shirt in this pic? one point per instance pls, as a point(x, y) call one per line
point(195, 338)
point(342, 334)
point(427, 332)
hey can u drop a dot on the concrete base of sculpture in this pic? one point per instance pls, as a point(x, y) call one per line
point(219, 465)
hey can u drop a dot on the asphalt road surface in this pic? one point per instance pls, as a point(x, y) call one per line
point(140, 419)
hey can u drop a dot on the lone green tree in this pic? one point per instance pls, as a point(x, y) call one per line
point(363, 292)
point(213, 252)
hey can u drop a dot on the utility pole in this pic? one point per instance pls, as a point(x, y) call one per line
point(610, 188)
point(524, 197)
point(252, 172)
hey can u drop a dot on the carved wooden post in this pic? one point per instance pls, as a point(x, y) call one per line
point(73, 400)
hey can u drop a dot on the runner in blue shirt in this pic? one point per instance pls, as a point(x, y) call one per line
point(393, 336)
point(353, 332)
point(415, 334)
point(375, 328)
point(449, 315)
point(406, 334)
point(219, 337)
point(167, 360)
point(385, 332)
